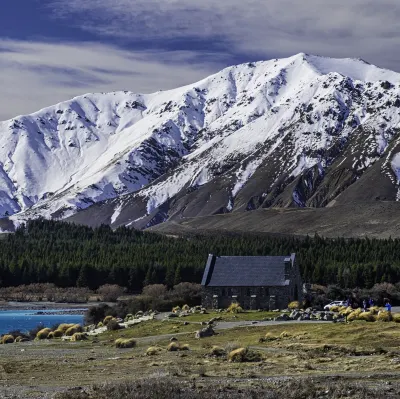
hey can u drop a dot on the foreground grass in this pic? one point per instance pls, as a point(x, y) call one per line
point(297, 350)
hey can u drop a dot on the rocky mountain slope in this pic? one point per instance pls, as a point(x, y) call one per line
point(304, 131)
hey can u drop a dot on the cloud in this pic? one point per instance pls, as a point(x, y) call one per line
point(38, 74)
point(258, 28)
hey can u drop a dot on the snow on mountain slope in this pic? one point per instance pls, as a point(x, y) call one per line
point(290, 132)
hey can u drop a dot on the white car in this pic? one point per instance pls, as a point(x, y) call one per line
point(335, 303)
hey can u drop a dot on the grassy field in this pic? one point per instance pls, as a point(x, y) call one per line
point(355, 351)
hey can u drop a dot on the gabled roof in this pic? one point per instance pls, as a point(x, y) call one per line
point(246, 271)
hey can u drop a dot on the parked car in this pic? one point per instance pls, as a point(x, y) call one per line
point(335, 303)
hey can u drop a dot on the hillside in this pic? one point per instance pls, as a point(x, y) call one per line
point(300, 132)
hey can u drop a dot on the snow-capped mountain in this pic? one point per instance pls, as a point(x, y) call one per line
point(304, 131)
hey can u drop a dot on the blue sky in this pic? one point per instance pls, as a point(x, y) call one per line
point(52, 50)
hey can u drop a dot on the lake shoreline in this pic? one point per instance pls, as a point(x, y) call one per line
point(43, 306)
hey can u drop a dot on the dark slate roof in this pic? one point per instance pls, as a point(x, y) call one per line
point(245, 271)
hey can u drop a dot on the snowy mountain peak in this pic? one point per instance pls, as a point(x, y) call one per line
point(258, 134)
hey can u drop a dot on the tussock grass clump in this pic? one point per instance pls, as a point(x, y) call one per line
point(79, 336)
point(354, 315)
point(346, 311)
point(185, 308)
point(374, 310)
point(113, 325)
point(76, 328)
point(176, 309)
point(100, 324)
point(244, 355)
point(176, 346)
point(284, 334)
point(367, 316)
point(231, 346)
point(51, 335)
point(384, 315)
point(43, 333)
point(335, 309)
point(235, 308)
point(107, 319)
point(217, 351)
point(294, 305)
point(396, 317)
point(125, 343)
point(153, 350)
point(270, 337)
point(64, 327)
point(58, 333)
point(7, 339)
point(21, 339)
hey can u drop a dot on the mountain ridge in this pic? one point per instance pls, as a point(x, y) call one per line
point(295, 132)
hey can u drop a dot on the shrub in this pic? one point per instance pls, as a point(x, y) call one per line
point(158, 291)
point(113, 325)
point(43, 334)
point(79, 336)
point(110, 292)
point(96, 314)
point(384, 315)
point(76, 328)
point(185, 292)
point(7, 339)
point(294, 305)
point(100, 324)
point(125, 343)
point(152, 350)
point(235, 308)
point(217, 351)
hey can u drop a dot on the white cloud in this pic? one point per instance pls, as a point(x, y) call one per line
point(38, 74)
point(358, 28)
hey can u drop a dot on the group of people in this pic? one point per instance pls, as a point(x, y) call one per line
point(369, 303)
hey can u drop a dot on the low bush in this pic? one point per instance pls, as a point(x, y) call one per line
point(76, 328)
point(7, 339)
point(153, 350)
point(43, 334)
point(79, 336)
point(235, 308)
point(125, 343)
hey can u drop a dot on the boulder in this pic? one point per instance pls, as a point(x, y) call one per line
point(283, 317)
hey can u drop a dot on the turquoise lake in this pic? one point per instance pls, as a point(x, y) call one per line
point(25, 320)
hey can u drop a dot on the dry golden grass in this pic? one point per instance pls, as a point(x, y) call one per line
point(43, 334)
point(7, 339)
point(153, 350)
point(79, 336)
point(237, 355)
point(76, 328)
point(235, 308)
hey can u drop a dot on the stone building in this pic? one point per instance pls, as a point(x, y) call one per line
point(255, 282)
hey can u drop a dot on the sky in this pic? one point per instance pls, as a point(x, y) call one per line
point(53, 50)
